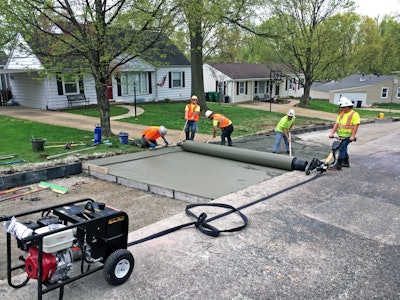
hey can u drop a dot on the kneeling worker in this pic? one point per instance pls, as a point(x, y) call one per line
point(151, 134)
point(224, 124)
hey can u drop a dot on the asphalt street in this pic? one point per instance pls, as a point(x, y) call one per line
point(334, 235)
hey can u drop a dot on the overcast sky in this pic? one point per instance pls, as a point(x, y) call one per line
point(373, 8)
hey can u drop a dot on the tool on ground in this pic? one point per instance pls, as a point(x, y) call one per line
point(328, 161)
point(183, 131)
point(53, 187)
point(16, 189)
point(8, 156)
point(12, 162)
point(290, 144)
point(82, 232)
point(30, 191)
point(70, 152)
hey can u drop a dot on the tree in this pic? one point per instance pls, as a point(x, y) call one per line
point(296, 31)
point(96, 36)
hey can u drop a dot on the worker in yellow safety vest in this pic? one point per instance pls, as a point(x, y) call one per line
point(192, 112)
point(282, 131)
point(224, 124)
point(346, 126)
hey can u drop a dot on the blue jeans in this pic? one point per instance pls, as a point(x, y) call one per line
point(343, 148)
point(278, 138)
point(191, 127)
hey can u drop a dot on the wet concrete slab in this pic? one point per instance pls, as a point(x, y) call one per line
point(179, 174)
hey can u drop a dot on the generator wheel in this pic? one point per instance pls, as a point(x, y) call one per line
point(118, 267)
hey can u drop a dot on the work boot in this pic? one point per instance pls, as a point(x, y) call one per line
point(346, 163)
point(338, 166)
point(187, 135)
point(192, 136)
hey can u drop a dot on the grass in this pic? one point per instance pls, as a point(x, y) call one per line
point(247, 121)
point(17, 133)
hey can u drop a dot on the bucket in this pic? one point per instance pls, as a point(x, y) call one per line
point(97, 135)
point(38, 145)
point(381, 115)
point(123, 138)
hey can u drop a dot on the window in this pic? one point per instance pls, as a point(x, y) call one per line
point(132, 82)
point(398, 92)
point(241, 87)
point(384, 92)
point(70, 84)
point(177, 79)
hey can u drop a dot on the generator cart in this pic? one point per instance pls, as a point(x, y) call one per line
point(83, 232)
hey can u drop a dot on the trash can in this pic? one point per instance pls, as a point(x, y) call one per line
point(216, 96)
point(359, 103)
point(207, 97)
point(123, 138)
point(226, 98)
point(38, 145)
point(97, 135)
point(211, 96)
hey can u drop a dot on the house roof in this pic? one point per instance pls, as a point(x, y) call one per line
point(251, 71)
point(350, 82)
point(163, 52)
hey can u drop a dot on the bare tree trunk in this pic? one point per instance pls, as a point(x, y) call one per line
point(104, 106)
point(196, 56)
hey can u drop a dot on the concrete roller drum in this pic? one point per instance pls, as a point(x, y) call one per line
point(272, 160)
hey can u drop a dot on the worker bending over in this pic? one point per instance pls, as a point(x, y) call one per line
point(151, 134)
point(224, 124)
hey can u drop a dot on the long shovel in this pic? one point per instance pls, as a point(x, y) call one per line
point(183, 130)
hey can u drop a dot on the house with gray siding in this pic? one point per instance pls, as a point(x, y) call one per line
point(363, 90)
point(148, 79)
point(241, 82)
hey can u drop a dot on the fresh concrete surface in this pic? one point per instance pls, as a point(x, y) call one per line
point(335, 237)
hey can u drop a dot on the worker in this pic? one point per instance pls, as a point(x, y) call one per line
point(346, 126)
point(192, 112)
point(282, 131)
point(151, 134)
point(224, 124)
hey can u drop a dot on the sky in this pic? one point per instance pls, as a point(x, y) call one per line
point(373, 8)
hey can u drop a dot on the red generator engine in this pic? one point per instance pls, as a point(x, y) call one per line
point(84, 231)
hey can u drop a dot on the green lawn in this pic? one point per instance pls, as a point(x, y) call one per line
point(17, 134)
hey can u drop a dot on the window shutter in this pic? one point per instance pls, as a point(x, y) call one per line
point(183, 79)
point(237, 88)
point(150, 86)
point(169, 80)
point(59, 84)
point(216, 85)
point(81, 89)
point(245, 89)
point(119, 89)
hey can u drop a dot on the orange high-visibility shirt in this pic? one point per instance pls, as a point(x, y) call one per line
point(221, 121)
point(152, 133)
point(192, 110)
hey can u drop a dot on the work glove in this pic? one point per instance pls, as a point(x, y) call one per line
point(152, 145)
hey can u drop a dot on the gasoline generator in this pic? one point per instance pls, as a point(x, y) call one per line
point(83, 232)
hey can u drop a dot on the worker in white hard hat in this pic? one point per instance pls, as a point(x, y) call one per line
point(222, 122)
point(151, 134)
point(192, 113)
point(346, 126)
point(282, 131)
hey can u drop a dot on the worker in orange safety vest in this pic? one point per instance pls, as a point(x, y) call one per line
point(192, 112)
point(224, 124)
point(346, 126)
point(151, 134)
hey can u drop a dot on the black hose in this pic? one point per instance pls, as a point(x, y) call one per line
point(202, 223)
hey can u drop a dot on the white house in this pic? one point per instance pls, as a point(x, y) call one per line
point(242, 82)
point(33, 86)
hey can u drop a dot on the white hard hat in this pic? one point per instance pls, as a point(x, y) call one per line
point(345, 102)
point(163, 130)
point(208, 113)
point(291, 113)
point(194, 97)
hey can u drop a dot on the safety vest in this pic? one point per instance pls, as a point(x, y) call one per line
point(346, 123)
point(152, 133)
point(284, 122)
point(191, 110)
point(221, 121)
